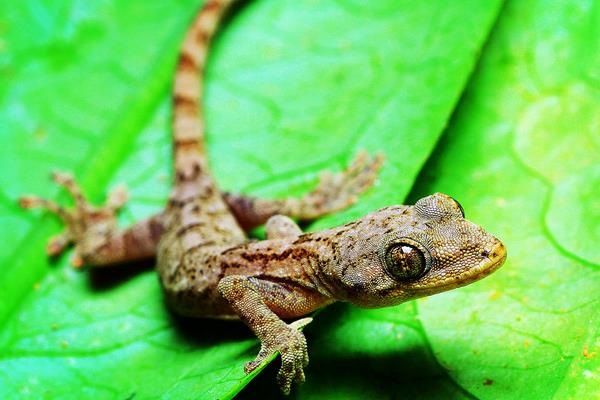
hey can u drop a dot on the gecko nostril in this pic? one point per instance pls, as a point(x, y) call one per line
point(485, 253)
point(498, 252)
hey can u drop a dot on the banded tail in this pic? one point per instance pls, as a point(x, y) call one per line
point(189, 153)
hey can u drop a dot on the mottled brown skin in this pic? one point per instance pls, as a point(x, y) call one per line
point(208, 268)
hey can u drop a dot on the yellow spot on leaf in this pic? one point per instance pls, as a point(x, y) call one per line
point(588, 354)
point(495, 294)
point(40, 133)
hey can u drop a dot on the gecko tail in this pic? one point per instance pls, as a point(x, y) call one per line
point(189, 152)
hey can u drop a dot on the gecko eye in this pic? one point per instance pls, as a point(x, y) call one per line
point(405, 262)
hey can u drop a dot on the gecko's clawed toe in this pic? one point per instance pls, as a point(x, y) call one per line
point(300, 377)
point(291, 371)
point(284, 380)
point(301, 323)
point(117, 198)
point(264, 353)
point(362, 172)
point(251, 366)
point(57, 244)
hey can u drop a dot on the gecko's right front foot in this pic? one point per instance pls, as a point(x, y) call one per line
point(86, 226)
point(291, 344)
point(337, 191)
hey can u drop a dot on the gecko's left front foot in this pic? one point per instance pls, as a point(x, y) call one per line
point(291, 344)
point(86, 226)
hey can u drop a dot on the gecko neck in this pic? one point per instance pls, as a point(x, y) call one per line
point(321, 268)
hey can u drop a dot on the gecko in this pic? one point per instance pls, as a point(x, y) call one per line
point(208, 267)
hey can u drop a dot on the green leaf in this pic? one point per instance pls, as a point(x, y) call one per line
point(531, 126)
point(293, 87)
point(521, 155)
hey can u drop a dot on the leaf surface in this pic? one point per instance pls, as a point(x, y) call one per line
point(292, 87)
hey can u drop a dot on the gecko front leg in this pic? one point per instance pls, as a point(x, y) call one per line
point(334, 192)
point(255, 301)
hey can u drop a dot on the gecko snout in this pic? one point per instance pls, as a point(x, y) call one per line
point(496, 254)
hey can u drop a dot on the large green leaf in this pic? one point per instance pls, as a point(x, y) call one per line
point(531, 127)
point(293, 87)
point(522, 156)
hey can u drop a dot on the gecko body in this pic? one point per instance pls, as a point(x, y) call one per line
point(209, 268)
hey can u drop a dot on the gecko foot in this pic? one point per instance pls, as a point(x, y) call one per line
point(291, 344)
point(86, 226)
point(340, 190)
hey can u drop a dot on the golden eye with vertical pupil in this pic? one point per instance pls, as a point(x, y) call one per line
point(405, 262)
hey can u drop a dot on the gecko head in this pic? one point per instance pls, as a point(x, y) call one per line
point(401, 253)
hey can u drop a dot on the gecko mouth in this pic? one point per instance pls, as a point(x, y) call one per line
point(491, 266)
point(495, 258)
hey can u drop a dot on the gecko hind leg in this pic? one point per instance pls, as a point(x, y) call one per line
point(86, 226)
point(334, 192)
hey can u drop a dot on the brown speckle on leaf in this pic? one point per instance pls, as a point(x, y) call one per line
point(588, 354)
